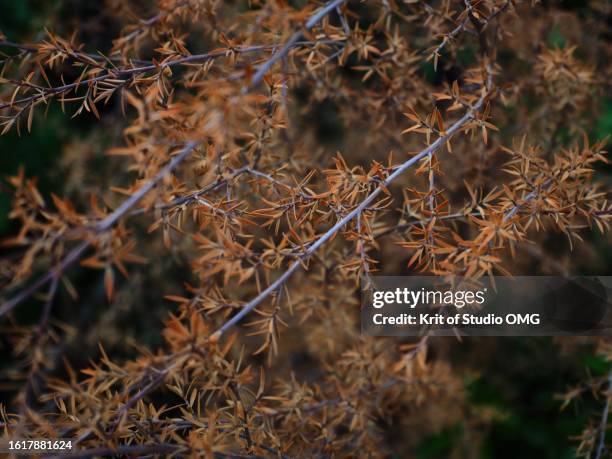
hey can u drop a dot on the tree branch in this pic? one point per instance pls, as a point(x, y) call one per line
point(312, 248)
point(130, 72)
point(312, 21)
point(101, 227)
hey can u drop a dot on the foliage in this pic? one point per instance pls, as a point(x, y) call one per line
point(466, 144)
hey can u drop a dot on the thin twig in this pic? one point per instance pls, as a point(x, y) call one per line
point(77, 55)
point(153, 20)
point(153, 384)
point(603, 426)
point(462, 26)
point(38, 338)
